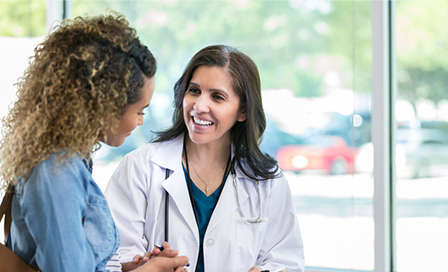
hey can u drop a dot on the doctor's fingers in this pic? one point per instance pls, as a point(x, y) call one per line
point(146, 256)
point(166, 251)
point(163, 264)
point(170, 253)
point(182, 261)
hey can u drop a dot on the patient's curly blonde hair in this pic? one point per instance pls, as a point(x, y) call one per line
point(79, 81)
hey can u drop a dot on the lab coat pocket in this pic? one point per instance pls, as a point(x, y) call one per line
point(250, 238)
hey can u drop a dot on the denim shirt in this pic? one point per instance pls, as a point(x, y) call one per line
point(61, 220)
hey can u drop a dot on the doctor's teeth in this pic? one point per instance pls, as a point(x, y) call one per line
point(202, 122)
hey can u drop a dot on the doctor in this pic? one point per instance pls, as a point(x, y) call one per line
point(229, 207)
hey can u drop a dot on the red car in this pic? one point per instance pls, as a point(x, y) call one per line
point(329, 154)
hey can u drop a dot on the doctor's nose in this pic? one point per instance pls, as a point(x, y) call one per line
point(201, 104)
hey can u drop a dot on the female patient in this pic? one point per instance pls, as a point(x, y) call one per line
point(229, 206)
point(89, 81)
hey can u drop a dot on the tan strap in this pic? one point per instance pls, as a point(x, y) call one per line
point(5, 210)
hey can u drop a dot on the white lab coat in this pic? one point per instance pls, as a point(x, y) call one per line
point(136, 196)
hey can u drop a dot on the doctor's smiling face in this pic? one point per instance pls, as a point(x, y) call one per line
point(211, 106)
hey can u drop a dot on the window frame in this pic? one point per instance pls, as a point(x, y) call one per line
point(383, 90)
point(383, 101)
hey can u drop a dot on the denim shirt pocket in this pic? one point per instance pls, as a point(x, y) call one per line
point(99, 226)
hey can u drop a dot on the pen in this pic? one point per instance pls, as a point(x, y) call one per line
point(159, 247)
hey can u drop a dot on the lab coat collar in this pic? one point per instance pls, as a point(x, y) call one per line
point(170, 156)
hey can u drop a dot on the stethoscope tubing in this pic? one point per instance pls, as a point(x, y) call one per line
point(259, 219)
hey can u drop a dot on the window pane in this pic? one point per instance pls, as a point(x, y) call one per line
point(22, 26)
point(314, 60)
point(421, 137)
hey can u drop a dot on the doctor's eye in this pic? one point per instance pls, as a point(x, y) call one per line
point(193, 91)
point(218, 97)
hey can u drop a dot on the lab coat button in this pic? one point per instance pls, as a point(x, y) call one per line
point(210, 242)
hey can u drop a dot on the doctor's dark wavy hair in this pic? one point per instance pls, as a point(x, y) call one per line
point(246, 136)
point(81, 79)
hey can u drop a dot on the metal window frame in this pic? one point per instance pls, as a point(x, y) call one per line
point(383, 101)
point(383, 124)
point(58, 10)
point(383, 90)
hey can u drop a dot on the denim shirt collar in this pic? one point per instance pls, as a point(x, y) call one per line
point(88, 163)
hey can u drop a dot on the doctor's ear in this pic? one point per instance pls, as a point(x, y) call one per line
point(242, 114)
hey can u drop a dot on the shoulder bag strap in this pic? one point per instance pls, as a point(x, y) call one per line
point(12, 260)
point(5, 210)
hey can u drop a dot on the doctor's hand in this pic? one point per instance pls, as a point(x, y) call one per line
point(138, 260)
point(256, 268)
point(164, 251)
point(164, 264)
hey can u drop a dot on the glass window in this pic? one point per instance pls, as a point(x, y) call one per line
point(22, 26)
point(314, 57)
point(315, 63)
point(421, 137)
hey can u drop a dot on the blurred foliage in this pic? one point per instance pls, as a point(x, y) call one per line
point(421, 41)
point(304, 45)
point(285, 38)
point(23, 18)
point(350, 38)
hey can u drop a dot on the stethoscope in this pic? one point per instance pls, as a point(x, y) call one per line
point(193, 203)
point(259, 219)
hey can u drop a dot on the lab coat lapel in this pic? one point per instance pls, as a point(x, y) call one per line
point(169, 156)
point(176, 187)
point(227, 203)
